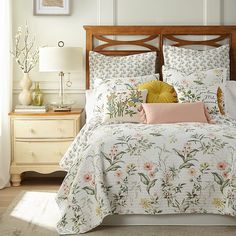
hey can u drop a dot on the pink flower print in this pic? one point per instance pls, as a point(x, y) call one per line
point(151, 174)
point(225, 174)
point(87, 177)
point(192, 172)
point(211, 136)
point(187, 148)
point(148, 166)
point(113, 151)
point(132, 81)
point(118, 173)
point(221, 165)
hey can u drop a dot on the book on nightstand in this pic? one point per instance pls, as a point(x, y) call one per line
point(31, 109)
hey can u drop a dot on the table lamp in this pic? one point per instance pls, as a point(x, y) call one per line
point(62, 60)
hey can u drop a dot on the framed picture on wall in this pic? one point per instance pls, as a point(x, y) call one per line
point(51, 7)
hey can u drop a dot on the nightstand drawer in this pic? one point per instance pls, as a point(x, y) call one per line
point(40, 152)
point(44, 128)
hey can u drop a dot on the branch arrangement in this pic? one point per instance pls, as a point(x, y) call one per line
point(24, 53)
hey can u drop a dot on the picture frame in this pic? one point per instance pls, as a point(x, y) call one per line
point(51, 7)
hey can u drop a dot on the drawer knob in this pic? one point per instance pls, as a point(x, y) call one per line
point(61, 130)
point(32, 131)
point(32, 154)
point(60, 154)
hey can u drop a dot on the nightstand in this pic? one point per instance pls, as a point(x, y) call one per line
point(39, 140)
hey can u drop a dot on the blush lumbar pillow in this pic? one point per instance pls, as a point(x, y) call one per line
point(159, 113)
point(159, 92)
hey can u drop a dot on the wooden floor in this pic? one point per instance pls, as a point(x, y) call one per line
point(7, 195)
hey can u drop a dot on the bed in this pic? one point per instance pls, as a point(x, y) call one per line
point(183, 173)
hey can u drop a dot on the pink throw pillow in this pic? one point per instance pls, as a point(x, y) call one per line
point(159, 113)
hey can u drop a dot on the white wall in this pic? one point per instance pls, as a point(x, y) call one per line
point(50, 29)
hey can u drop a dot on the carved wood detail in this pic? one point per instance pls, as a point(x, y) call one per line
point(161, 33)
point(210, 42)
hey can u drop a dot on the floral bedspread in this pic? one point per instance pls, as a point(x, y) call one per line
point(148, 169)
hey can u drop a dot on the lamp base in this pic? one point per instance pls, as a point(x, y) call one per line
point(61, 109)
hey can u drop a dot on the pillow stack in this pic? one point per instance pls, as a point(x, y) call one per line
point(121, 84)
point(115, 96)
point(198, 75)
point(199, 86)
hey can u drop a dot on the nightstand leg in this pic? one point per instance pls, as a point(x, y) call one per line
point(15, 179)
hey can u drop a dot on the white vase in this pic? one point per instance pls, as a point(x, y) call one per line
point(25, 97)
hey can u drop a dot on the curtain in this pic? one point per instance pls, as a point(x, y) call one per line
point(5, 90)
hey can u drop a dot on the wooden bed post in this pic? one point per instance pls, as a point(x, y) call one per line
point(89, 47)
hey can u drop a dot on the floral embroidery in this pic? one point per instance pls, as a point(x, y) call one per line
point(124, 106)
point(221, 165)
point(148, 166)
point(218, 203)
point(198, 86)
point(109, 85)
point(87, 177)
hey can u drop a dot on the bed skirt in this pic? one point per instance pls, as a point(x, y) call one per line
point(178, 219)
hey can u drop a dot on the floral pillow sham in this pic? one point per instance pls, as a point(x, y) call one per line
point(120, 83)
point(198, 86)
point(102, 86)
point(102, 66)
point(124, 106)
point(190, 60)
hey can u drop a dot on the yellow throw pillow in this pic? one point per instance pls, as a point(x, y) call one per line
point(159, 92)
point(220, 98)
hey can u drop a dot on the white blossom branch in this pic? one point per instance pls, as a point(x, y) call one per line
point(25, 55)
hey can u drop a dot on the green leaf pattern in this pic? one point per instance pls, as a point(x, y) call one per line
point(127, 169)
point(102, 66)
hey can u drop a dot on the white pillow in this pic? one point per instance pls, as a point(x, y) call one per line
point(89, 103)
point(117, 84)
point(124, 106)
point(230, 99)
point(102, 66)
point(190, 60)
point(199, 86)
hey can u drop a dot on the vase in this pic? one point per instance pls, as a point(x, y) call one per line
point(25, 97)
point(37, 95)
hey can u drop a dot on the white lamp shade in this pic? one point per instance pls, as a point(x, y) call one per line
point(57, 59)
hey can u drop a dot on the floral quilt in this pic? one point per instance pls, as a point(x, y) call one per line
point(147, 169)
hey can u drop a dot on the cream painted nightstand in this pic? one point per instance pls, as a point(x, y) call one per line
point(39, 141)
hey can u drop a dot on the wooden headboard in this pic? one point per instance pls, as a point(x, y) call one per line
point(159, 33)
